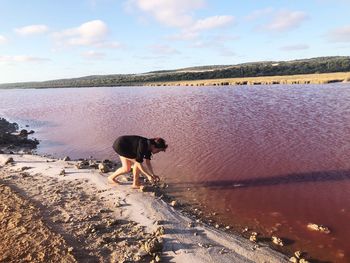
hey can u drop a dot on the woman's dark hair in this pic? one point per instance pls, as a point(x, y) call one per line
point(159, 143)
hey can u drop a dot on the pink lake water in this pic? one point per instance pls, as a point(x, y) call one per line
point(273, 158)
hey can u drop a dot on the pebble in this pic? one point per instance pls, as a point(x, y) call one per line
point(277, 241)
point(223, 251)
point(9, 160)
point(173, 203)
point(253, 237)
point(191, 224)
point(319, 228)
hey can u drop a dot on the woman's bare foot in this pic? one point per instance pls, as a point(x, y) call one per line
point(112, 181)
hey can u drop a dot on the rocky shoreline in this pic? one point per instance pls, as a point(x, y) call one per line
point(97, 222)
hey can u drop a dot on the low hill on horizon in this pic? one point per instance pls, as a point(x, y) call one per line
point(250, 69)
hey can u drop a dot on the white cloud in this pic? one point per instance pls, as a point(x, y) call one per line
point(22, 59)
point(3, 40)
point(163, 50)
point(112, 45)
point(259, 13)
point(340, 34)
point(174, 13)
point(92, 54)
point(92, 33)
point(211, 23)
point(285, 21)
point(295, 47)
point(32, 30)
point(180, 14)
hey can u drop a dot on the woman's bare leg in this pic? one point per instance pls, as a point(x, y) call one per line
point(126, 165)
point(136, 173)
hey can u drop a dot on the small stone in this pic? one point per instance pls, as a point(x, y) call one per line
point(157, 258)
point(173, 203)
point(227, 227)
point(302, 260)
point(293, 259)
point(253, 237)
point(217, 226)
point(245, 229)
point(25, 174)
point(195, 233)
point(203, 245)
point(9, 160)
point(66, 159)
point(223, 251)
point(103, 168)
point(160, 231)
point(70, 249)
point(298, 254)
point(191, 224)
point(163, 185)
point(319, 228)
point(25, 168)
point(277, 241)
point(153, 245)
point(63, 172)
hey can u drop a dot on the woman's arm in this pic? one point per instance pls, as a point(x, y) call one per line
point(150, 176)
point(150, 168)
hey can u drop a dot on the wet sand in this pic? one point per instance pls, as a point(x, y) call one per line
point(77, 216)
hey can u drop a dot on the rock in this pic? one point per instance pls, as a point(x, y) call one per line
point(277, 241)
point(153, 245)
point(82, 165)
point(191, 224)
point(173, 203)
point(298, 254)
point(163, 185)
point(294, 259)
point(217, 226)
point(157, 258)
point(302, 260)
point(160, 231)
point(227, 227)
point(245, 229)
point(23, 133)
point(203, 245)
point(24, 175)
point(319, 228)
point(103, 168)
point(93, 164)
point(66, 159)
point(253, 237)
point(25, 168)
point(63, 172)
point(223, 251)
point(9, 161)
point(195, 233)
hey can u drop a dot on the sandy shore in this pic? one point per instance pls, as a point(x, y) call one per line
point(48, 216)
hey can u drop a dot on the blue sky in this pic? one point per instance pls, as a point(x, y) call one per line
point(42, 40)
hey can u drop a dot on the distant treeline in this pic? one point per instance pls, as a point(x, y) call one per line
point(256, 69)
